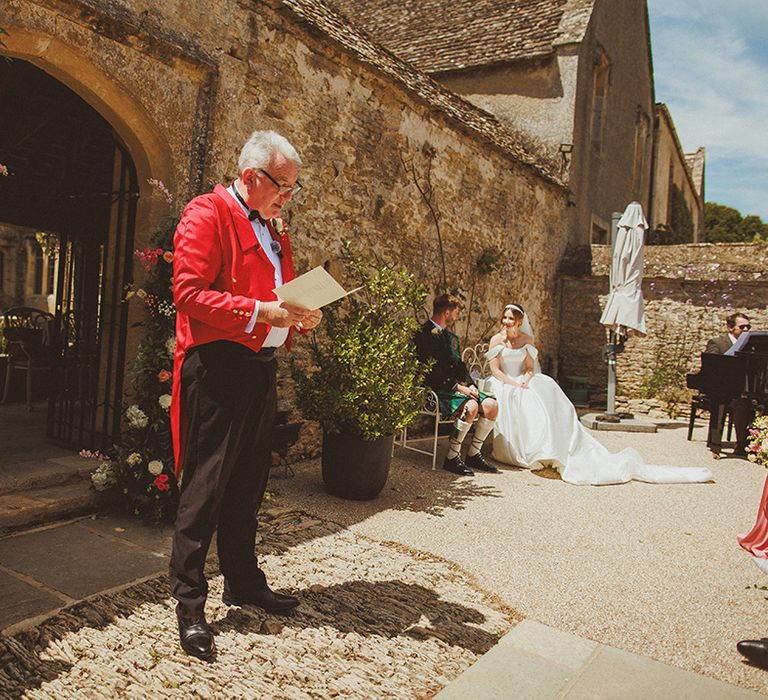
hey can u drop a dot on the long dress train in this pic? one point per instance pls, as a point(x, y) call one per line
point(538, 426)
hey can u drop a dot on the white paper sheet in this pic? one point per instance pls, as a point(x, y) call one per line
point(312, 290)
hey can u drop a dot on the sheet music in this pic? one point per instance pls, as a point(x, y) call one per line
point(312, 290)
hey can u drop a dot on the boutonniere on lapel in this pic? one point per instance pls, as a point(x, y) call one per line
point(436, 330)
point(279, 227)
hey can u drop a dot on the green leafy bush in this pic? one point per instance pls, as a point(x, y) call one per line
point(368, 380)
point(665, 379)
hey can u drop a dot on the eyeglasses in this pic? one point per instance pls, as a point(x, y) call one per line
point(283, 189)
point(745, 326)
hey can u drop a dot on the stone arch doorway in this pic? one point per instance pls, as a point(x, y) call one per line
point(71, 197)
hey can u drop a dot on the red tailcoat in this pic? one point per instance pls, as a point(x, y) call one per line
point(219, 269)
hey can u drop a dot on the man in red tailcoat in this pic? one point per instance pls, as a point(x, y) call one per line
point(230, 253)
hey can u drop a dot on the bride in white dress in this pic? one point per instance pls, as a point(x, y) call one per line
point(537, 425)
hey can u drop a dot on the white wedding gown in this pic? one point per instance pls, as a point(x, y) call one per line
point(538, 426)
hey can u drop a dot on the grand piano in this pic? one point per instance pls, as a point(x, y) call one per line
point(742, 373)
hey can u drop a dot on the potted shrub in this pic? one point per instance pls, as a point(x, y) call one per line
point(367, 382)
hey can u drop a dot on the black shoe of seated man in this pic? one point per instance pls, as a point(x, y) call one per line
point(457, 466)
point(478, 463)
point(195, 636)
point(264, 598)
point(755, 651)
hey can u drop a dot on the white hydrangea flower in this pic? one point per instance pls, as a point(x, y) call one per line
point(133, 459)
point(136, 417)
point(165, 401)
point(100, 478)
point(170, 345)
point(155, 467)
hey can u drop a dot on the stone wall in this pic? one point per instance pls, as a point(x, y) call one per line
point(688, 291)
point(199, 78)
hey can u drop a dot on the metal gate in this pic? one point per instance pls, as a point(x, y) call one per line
point(91, 319)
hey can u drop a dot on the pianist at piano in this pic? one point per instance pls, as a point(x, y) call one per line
point(741, 408)
point(733, 376)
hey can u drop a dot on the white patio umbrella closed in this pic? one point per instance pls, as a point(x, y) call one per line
point(624, 312)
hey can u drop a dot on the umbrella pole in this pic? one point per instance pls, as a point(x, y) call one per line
point(611, 358)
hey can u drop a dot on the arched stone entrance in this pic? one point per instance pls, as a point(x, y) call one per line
point(74, 178)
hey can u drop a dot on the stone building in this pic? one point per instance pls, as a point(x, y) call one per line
point(677, 206)
point(102, 95)
point(574, 74)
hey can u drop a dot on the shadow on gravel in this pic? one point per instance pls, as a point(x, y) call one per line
point(375, 608)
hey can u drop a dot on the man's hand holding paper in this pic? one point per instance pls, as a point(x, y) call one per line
point(312, 290)
point(281, 314)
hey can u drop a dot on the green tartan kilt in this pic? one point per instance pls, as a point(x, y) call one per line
point(451, 402)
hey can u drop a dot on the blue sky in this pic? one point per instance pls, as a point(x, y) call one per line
point(710, 59)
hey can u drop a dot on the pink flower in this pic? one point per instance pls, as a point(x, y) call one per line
point(168, 256)
point(161, 482)
point(164, 375)
point(161, 189)
point(4, 170)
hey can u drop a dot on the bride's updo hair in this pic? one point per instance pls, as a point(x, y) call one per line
point(517, 311)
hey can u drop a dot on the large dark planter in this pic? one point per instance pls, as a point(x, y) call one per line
point(355, 468)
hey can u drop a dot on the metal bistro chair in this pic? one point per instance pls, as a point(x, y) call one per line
point(28, 344)
point(474, 358)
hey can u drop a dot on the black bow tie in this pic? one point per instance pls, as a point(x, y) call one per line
point(252, 213)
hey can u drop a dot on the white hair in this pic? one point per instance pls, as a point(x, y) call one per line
point(261, 146)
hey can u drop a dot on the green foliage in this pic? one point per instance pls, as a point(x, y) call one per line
point(665, 379)
point(140, 477)
point(368, 380)
point(726, 225)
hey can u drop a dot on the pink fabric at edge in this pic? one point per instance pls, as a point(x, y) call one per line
point(756, 541)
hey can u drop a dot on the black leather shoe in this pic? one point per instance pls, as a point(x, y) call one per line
point(264, 598)
point(478, 463)
point(195, 636)
point(755, 651)
point(457, 466)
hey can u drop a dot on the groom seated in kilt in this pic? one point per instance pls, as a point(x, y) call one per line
point(457, 393)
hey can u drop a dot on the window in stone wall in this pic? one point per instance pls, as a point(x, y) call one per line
point(600, 97)
point(599, 234)
point(37, 286)
point(642, 134)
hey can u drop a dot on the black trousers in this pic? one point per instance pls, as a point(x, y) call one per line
point(230, 399)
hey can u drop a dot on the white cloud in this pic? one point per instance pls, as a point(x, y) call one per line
point(711, 69)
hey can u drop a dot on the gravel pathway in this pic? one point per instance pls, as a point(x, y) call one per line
point(375, 620)
point(653, 569)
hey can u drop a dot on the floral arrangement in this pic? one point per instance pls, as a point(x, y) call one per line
point(757, 449)
point(139, 476)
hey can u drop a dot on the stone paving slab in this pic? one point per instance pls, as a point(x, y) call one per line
point(629, 425)
point(76, 561)
point(37, 473)
point(155, 538)
point(21, 601)
point(25, 508)
point(539, 662)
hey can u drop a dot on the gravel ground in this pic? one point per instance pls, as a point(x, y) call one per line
point(653, 569)
point(375, 620)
